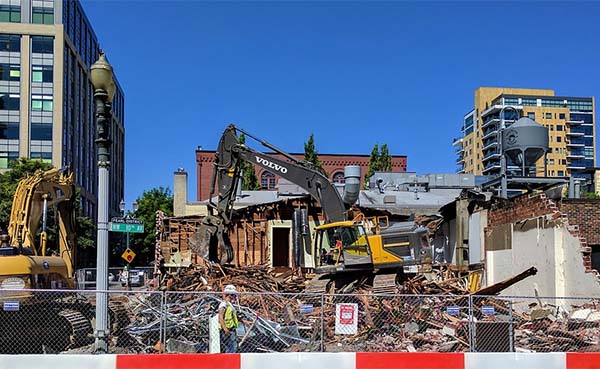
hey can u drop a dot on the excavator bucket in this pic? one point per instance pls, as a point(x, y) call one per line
point(207, 240)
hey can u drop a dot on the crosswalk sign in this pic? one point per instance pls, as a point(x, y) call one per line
point(128, 255)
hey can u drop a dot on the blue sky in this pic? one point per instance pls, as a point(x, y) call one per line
point(353, 73)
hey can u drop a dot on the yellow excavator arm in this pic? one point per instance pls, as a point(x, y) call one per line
point(33, 196)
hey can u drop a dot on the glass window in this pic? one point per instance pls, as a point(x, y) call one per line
point(9, 102)
point(559, 127)
point(42, 44)
point(561, 173)
point(41, 131)
point(47, 105)
point(10, 13)
point(558, 139)
point(42, 15)
point(338, 177)
point(548, 115)
point(267, 181)
point(9, 72)
point(9, 131)
point(10, 43)
point(561, 115)
point(36, 76)
point(36, 105)
point(531, 115)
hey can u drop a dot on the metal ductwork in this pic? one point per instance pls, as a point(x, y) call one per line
point(352, 184)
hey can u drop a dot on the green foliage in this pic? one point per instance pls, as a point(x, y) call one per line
point(311, 155)
point(385, 160)
point(249, 178)
point(373, 164)
point(380, 161)
point(143, 243)
point(591, 196)
point(9, 181)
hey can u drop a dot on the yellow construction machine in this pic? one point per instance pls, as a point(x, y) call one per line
point(32, 319)
point(344, 247)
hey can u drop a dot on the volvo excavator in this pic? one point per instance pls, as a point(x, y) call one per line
point(344, 246)
point(32, 320)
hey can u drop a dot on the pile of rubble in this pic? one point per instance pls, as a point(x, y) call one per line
point(434, 313)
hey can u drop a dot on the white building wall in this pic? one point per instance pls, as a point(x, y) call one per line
point(550, 247)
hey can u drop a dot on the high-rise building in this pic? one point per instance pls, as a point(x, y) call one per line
point(46, 97)
point(570, 123)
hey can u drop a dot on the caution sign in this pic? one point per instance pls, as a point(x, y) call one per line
point(128, 255)
point(346, 318)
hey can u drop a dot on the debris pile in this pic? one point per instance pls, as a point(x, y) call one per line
point(433, 313)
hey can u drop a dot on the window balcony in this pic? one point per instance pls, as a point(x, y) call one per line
point(575, 167)
point(457, 142)
point(489, 145)
point(489, 134)
point(490, 168)
point(491, 155)
point(575, 144)
point(490, 122)
point(497, 108)
point(576, 134)
point(574, 122)
point(575, 155)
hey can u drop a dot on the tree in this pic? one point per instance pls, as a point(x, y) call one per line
point(143, 244)
point(9, 181)
point(380, 161)
point(311, 155)
point(385, 160)
point(249, 178)
point(373, 165)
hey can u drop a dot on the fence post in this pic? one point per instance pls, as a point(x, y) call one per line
point(322, 322)
point(511, 330)
point(471, 325)
point(163, 322)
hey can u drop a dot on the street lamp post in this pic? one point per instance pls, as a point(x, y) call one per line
point(122, 207)
point(101, 75)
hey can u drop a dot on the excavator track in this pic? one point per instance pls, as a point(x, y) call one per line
point(79, 327)
point(119, 316)
point(384, 284)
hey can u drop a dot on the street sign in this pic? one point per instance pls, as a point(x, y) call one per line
point(128, 255)
point(126, 224)
point(452, 310)
point(10, 306)
point(488, 310)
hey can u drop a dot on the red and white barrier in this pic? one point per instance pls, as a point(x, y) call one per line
point(308, 360)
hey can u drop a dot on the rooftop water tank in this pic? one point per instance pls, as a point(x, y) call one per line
point(525, 142)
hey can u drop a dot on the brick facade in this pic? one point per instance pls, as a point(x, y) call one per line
point(332, 163)
point(581, 217)
point(586, 214)
point(521, 208)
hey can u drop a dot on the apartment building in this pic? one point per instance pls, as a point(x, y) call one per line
point(46, 97)
point(570, 122)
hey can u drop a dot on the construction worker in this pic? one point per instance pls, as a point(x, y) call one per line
point(228, 319)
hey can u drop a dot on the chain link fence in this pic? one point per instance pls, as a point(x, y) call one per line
point(51, 321)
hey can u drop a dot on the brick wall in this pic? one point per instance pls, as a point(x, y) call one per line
point(581, 216)
point(332, 163)
point(521, 208)
point(585, 213)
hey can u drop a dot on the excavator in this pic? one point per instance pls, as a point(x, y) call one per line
point(28, 266)
point(344, 246)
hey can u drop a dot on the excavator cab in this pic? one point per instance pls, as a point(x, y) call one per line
point(341, 246)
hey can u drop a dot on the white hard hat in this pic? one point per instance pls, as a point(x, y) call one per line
point(230, 289)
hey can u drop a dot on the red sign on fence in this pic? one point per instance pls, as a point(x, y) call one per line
point(346, 318)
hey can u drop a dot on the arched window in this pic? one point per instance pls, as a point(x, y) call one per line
point(338, 177)
point(267, 181)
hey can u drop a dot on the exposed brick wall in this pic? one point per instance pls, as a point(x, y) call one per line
point(580, 216)
point(521, 208)
point(332, 163)
point(584, 213)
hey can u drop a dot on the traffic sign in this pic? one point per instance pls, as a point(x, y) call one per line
point(126, 224)
point(128, 255)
